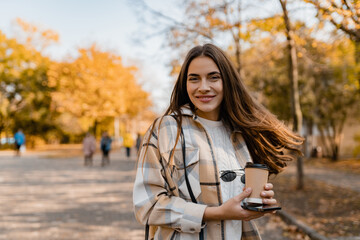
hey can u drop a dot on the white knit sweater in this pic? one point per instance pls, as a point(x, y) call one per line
point(226, 160)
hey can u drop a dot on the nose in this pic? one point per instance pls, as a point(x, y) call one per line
point(204, 85)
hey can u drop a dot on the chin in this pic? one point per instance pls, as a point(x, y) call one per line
point(207, 109)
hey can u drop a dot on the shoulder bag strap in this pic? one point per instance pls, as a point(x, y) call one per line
point(193, 199)
point(147, 231)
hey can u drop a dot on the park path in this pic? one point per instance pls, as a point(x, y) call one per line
point(332, 177)
point(58, 198)
point(46, 197)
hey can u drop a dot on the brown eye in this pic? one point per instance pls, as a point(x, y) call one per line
point(215, 77)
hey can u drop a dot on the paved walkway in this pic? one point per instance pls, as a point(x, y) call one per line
point(58, 198)
point(45, 198)
point(331, 177)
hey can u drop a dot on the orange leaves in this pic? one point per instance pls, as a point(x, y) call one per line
point(273, 24)
point(36, 37)
point(27, 27)
point(96, 85)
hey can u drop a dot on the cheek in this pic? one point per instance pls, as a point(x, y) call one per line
point(189, 89)
point(220, 89)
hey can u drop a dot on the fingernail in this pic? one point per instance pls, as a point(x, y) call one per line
point(248, 190)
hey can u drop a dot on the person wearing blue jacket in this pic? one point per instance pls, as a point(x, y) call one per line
point(19, 141)
point(105, 145)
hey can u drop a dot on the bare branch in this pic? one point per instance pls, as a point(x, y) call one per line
point(353, 33)
point(177, 23)
point(354, 16)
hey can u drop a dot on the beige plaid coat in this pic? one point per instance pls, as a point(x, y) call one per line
point(160, 194)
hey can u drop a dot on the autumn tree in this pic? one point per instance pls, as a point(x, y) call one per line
point(96, 86)
point(206, 21)
point(345, 16)
point(335, 94)
point(294, 86)
point(326, 73)
point(271, 46)
point(24, 86)
point(34, 36)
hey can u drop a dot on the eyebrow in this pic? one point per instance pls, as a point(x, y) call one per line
point(209, 74)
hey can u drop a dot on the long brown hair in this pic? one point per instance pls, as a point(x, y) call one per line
point(266, 137)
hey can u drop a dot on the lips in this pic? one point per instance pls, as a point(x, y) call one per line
point(205, 99)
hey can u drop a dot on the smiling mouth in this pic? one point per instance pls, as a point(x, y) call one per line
point(205, 98)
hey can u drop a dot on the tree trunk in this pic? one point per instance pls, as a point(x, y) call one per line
point(357, 60)
point(238, 59)
point(324, 141)
point(334, 146)
point(335, 153)
point(308, 147)
point(295, 98)
point(95, 126)
point(236, 35)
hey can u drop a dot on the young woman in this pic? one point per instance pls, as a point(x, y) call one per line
point(212, 125)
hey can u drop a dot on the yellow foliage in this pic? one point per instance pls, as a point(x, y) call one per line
point(274, 24)
point(343, 14)
point(96, 85)
point(27, 27)
point(35, 36)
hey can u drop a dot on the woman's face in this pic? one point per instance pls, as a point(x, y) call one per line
point(205, 87)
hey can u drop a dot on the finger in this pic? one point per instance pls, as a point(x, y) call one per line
point(268, 186)
point(243, 195)
point(269, 201)
point(268, 194)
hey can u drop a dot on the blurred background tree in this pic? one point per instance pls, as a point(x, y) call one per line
point(96, 86)
point(55, 101)
point(24, 87)
point(345, 16)
point(60, 100)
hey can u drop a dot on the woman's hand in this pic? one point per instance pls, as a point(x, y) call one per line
point(268, 195)
point(232, 210)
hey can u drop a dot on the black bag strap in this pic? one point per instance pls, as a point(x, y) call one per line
point(147, 230)
point(193, 199)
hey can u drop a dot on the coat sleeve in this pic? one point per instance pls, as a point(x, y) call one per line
point(153, 201)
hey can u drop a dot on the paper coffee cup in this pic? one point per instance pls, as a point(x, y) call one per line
point(256, 176)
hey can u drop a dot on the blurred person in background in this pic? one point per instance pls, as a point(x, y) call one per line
point(105, 144)
point(89, 147)
point(19, 142)
point(128, 143)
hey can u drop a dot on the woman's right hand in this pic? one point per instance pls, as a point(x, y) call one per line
point(232, 210)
